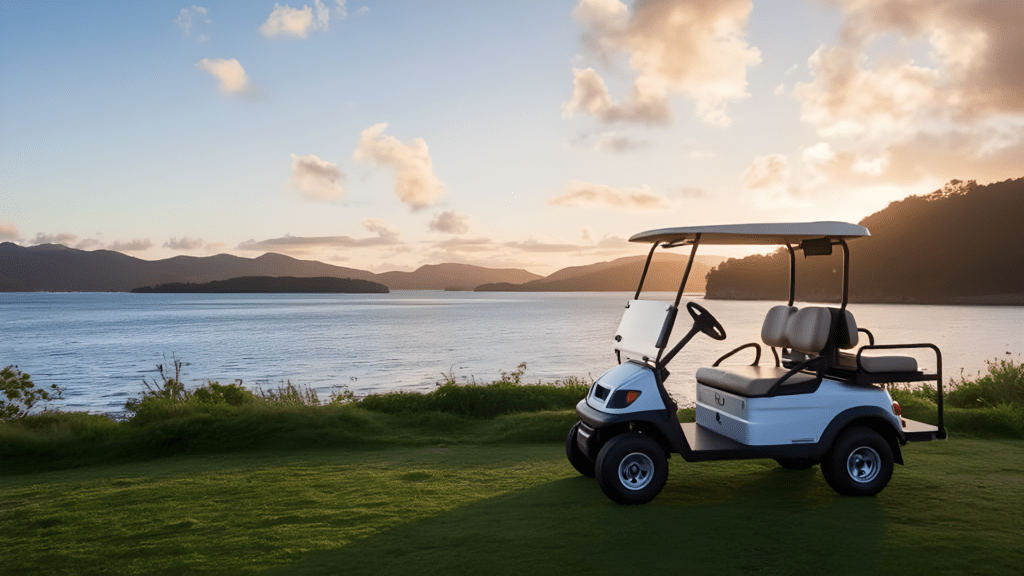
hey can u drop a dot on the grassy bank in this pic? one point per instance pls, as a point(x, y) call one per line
point(508, 509)
point(171, 420)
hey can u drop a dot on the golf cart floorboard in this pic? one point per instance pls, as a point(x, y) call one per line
point(919, 431)
point(707, 445)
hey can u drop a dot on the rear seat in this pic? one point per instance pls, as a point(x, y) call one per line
point(847, 339)
point(805, 331)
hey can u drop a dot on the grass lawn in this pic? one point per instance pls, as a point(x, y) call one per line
point(956, 508)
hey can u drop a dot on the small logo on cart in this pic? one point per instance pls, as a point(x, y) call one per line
point(720, 400)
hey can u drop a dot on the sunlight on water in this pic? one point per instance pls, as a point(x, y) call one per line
point(100, 346)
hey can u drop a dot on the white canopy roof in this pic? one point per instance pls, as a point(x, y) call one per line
point(780, 233)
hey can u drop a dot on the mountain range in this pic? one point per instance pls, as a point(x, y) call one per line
point(620, 275)
point(57, 268)
point(958, 245)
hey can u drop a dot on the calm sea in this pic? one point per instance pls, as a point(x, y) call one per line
point(99, 347)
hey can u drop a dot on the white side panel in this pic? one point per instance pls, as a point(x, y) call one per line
point(793, 419)
point(642, 326)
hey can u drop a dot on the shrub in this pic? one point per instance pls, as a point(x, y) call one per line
point(506, 395)
point(1003, 384)
point(18, 395)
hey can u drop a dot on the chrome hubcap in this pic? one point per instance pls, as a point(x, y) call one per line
point(636, 471)
point(863, 464)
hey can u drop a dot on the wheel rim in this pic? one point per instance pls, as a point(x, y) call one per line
point(863, 464)
point(636, 471)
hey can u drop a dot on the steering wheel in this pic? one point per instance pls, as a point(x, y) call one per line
point(705, 322)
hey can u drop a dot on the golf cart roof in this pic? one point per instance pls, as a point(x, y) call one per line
point(779, 233)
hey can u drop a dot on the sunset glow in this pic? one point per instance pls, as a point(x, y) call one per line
point(535, 135)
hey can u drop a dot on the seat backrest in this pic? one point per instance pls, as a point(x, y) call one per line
point(845, 330)
point(804, 330)
point(645, 328)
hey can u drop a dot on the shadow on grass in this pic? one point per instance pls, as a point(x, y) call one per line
point(762, 521)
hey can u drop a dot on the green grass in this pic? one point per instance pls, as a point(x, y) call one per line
point(509, 509)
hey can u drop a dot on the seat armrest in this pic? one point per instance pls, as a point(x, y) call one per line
point(871, 337)
point(819, 364)
point(754, 345)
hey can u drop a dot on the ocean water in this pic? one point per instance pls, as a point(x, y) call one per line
point(100, 346)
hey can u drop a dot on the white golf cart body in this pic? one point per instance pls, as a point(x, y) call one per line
point(794, 411)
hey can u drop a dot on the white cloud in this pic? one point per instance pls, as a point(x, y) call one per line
point(137, 245)
point(766, 172)
point(687, 46)
point(586, 194)
point(8, 232)
point(380, 228)
point(299, 22)
point(450, 223)
point(317, 179)
point(59, 238)
point(231, 78)
point(779, 90)
point(193, 17)
point(184, 243)
point(415, 182)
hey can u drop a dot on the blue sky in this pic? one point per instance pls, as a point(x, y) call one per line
point(387, 135)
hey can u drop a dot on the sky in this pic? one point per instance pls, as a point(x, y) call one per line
point(527, 134)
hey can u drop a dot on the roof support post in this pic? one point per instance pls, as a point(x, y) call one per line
point(650, 256)
point(846, 273)
point(792, 273)
point(686, 274)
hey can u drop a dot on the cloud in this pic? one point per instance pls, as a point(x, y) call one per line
point(184, 243)
point(600, 196)
point(231, 78)
point(686, 46)
point(386, 236)
point(8, 231)
point(450, 223)
point(59, 238)
point(89, 244)
point(766, 172)
point(974, 73)
point(298, 22)
point(532, 245)
point(381, 228)
point(316, 179)
point(193, 16)
point(466, 245)
point(137, 245)
point(617, 143)
point(415, 182)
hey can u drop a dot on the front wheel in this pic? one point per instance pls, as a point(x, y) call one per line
point(632, 469)
point(583, 464)
point(859, 464)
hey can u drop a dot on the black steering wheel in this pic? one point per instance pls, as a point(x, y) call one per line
point(705, 322)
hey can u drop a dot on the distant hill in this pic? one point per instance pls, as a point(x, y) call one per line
point(621, 275)
point(270, 284)
point(961, 244)
point(56, 268)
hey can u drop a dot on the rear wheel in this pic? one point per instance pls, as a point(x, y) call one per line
point(577, 458)
point(859, 464)
point(796, 463)
point(632, 469)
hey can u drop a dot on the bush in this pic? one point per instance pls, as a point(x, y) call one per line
point(18, 395)
point(1003, 384)
point(508, 395)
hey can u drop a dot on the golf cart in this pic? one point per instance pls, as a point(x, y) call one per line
point(819, 402)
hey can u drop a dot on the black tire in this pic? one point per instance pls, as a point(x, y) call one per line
point(577, 458)
point(632, 468)
point(796, 463)
point(859, 464)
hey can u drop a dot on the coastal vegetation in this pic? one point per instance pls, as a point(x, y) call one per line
point(269, 285)
point(471, 477)
point(955, 245)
